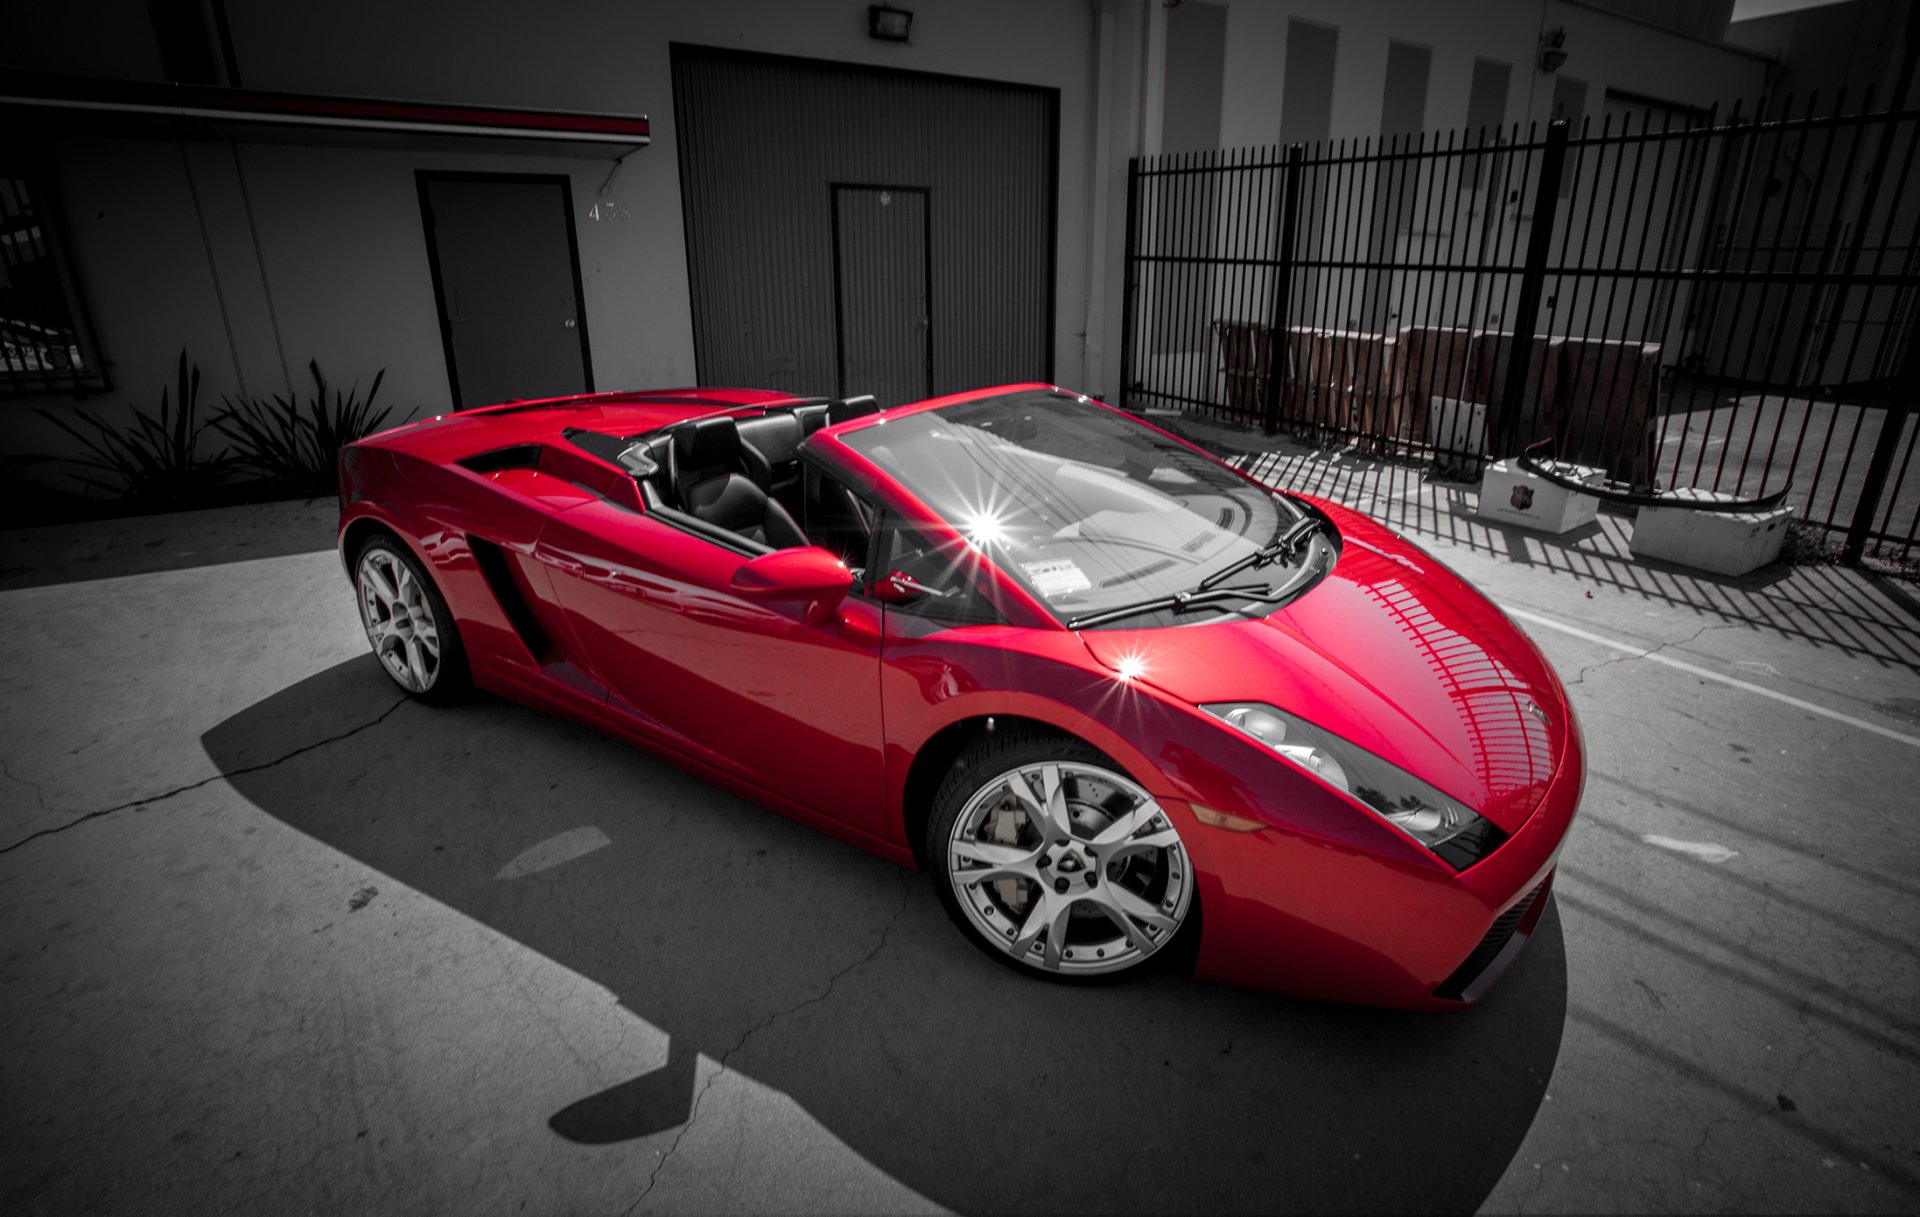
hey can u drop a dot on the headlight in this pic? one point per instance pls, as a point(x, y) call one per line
point(1455, 833)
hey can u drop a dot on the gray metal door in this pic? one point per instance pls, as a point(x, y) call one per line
point(880, 275)
point(506, 275)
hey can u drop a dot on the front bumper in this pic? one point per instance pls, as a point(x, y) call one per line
point(1288, 913)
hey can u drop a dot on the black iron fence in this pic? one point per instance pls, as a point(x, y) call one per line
point(1677, 299)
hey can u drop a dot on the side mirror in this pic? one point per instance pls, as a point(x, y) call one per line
point(810, 574)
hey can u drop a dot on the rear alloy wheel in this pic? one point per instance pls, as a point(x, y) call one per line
point(1058, 863)
point(408, 623)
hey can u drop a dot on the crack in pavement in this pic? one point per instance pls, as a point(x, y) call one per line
point(1611, 660)
point(693, 1112)
point(39, 795)
point(1571, 1164)
point(146, 800)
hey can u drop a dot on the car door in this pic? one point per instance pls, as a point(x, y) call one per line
point(750, 686)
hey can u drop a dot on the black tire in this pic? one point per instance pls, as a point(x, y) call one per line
point(983, 766)
point(448, 677)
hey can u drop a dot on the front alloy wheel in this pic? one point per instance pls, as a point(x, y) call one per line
point(1068, 868)
point(407, 623)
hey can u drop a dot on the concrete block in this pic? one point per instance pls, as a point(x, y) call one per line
point(1726, 543)
point(1511, 495)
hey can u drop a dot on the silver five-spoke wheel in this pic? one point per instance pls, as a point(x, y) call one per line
point(1069, 867)
point(400, 620)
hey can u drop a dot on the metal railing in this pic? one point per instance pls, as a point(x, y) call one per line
point(1676, 299)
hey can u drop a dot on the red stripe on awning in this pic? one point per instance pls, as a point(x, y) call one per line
point(296, 109)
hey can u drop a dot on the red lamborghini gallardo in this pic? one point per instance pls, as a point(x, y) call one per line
point(1126, 704)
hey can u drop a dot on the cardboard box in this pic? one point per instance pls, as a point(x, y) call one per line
point(1511, 495)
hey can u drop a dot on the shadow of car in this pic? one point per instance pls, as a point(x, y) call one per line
point(833, 977)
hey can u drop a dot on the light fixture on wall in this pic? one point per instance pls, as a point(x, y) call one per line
point(1553, 49)
point(889, 24)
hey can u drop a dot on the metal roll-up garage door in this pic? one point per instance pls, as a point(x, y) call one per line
point(857, 230)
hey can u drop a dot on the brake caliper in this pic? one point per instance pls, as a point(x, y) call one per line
point(1003, 827)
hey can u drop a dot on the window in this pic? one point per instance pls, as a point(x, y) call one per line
point(1403, 99)
point(1486, 115)
point(1084, 506)
point(837, 520)
point(850, 526)
point(1182, 208)
point(942, 574)
point(46, 344)
point(1306, 100)
point(1196, 53)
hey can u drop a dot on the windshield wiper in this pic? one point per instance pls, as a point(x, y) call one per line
point(1282, 545)
point(1181, 602)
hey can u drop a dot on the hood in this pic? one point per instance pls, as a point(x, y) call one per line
point(1393, 652)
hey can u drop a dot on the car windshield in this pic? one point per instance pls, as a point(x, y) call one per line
point(1090, 510)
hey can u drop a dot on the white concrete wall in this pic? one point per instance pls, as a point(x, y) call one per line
point(341, 266)
point(323, 256)
point(1610, 52)
point(1605, 52)
point(257, 258)
point(1455, 33)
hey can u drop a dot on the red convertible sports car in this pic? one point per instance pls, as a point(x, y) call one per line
point(1127, 704)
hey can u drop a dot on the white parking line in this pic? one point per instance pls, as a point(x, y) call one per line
point(554, 851)
point(1706, 851)
point(1707, 674)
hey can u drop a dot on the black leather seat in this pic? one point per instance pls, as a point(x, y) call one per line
point(851, 408)
point(812, 418)
point(719, 482)
point(775, 439)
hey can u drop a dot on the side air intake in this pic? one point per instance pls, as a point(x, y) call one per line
point(495, 569)
point(519, 456)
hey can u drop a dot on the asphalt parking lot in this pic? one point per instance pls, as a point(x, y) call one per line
point(274, 939)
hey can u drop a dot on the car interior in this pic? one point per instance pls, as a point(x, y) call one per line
point(723, 481)
point(742, 478)
point(741, 483)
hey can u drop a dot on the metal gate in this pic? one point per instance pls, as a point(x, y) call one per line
point(1675, 298)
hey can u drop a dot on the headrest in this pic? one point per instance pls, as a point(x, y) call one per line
point(775, 436)
point(852, 407)
point(812, 418)
point(705, 443)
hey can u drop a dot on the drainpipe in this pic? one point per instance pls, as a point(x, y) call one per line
point(1099, 169)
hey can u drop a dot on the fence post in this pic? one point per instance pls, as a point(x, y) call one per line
point(1875, 176)
point(1282, 298)
point(1130, 279)
point(1893, 426)
point(1526, 316)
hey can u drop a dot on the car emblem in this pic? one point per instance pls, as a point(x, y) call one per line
point(1522, 497)
point(1534, 709)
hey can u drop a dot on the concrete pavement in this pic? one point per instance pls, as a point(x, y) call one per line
point(272, 938)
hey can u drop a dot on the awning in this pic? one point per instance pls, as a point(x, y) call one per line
point(31, 102)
